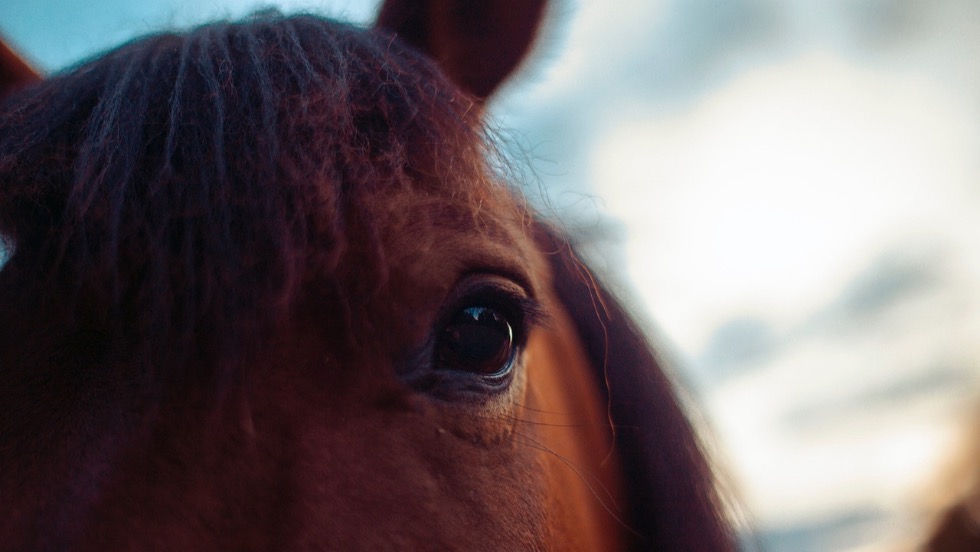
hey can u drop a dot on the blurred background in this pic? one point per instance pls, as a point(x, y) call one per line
point(790, 190)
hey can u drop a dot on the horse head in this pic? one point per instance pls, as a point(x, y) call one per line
point(268, 288)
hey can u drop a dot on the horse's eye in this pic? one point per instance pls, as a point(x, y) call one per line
point(478, 340)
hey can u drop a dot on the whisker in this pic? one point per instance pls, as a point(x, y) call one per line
point(602, 313)
point(543, 424)
point(579, 470)
point(532, 409)
point(580, 425)
point(511, 418)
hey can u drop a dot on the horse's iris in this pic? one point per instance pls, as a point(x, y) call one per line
point(478, 340)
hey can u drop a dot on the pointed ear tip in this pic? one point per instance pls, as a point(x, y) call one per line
point(478, 45)
point(15, 71)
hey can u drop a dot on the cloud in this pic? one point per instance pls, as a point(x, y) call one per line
point(735, 346)
point(843, 531)
point(932, 380)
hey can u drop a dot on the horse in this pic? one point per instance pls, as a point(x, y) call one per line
point(270, 286)
point(957, 529)
point(954, 504)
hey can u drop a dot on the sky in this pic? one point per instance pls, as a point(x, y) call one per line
point(788, 189)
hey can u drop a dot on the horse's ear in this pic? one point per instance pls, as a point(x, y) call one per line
point(477, 43)
point(14, 71)
point(672, 500)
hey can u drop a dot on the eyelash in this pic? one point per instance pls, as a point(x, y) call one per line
point(523, 311)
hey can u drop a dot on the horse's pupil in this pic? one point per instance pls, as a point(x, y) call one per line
point(477, 340)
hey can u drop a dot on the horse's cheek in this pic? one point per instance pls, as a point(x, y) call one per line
point(571, 433)
point(401, 478)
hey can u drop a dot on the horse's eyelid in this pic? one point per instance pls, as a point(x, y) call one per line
point(535, 314)
point(532, 311)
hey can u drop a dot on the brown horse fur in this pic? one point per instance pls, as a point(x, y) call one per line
point(955, 495)
point(233, 250)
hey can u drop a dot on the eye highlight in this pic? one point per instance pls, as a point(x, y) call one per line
point(477, 340)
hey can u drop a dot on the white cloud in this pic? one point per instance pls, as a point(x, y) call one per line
point(774, 191)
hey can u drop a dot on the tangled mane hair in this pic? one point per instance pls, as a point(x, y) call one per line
point(171, 200)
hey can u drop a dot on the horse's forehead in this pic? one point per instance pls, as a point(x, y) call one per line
point(436, 237)
point(427, 241)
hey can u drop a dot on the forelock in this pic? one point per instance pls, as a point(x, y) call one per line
point(179, 193)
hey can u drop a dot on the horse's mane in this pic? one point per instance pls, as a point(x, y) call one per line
point(171, 200)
